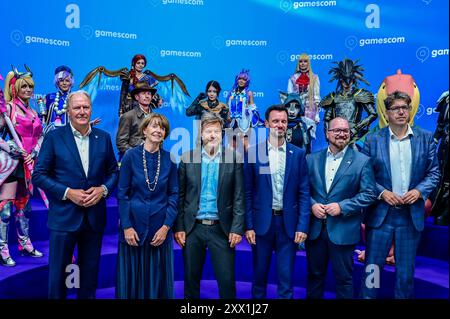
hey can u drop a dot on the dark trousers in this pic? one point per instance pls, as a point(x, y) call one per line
point(285, 249)
point(222, 258)
point(398, 225)
point(62, 245)
point(318, 252)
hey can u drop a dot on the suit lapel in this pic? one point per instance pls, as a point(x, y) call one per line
point(197, 160)
point(221, 172)
point(289, 154)
point(414, 141)
point(384, 146)
point(322, 168)
point(93, 144)
point(343, 167)
point(69, 140)
point(265, 167)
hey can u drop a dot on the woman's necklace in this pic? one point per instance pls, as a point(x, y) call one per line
point(147, 179)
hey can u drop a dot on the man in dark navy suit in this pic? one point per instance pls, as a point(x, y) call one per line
point(342, 183)
point(277, 204)
point(77, 169)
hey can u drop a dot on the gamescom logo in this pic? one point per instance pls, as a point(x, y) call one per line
point(154, 51)
point(89, 32)
point(423, 53)
point(287, 5)
point(156, 3)
point(17, 37)
point(219, 42)
point(351, 42)
point(183, 2)
point(226, 94)
point(282, 57)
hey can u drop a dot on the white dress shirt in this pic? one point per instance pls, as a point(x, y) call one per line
point(332, 165)
point(400, 157)
point(82, 142)
point(277, 163)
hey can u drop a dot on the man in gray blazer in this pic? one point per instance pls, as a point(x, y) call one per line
point(342, 183)
point(211, 209)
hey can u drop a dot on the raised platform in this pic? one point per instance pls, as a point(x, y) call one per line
point(29, 278)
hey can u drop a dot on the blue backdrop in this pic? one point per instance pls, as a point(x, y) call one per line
point(200, 40)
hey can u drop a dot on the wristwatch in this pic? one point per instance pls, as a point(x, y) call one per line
point(105, 191)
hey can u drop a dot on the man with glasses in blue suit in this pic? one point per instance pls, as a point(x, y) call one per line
point(406, 172)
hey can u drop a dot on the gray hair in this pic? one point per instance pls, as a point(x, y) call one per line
point(79, 92)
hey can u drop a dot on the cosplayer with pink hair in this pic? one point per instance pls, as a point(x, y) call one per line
point(17, 156)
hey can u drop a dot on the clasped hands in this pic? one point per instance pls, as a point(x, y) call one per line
point(393, 199)
point(321, 210)
point(85, 198)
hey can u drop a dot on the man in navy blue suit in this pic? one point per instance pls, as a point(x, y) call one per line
point(77, 169)
point(406, 172)
point(342, 183)
point(277, 204)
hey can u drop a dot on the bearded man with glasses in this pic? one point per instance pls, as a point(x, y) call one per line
point(341, 183)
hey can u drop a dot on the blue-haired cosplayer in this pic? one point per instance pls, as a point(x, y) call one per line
point(243, 111)
point(53, 110)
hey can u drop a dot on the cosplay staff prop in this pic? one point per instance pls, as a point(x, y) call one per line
point(10, 125)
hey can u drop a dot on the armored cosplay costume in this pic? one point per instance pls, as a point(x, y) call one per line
point(349, 101)
point(440, 203)
point(20, 138)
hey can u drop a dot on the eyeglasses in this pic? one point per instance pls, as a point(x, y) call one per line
point(337, 131)
point(396, 109)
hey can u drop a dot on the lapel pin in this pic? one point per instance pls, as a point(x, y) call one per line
point(348, 162)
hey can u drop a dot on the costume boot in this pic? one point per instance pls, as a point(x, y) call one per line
point(5, 257)
point(22, 225)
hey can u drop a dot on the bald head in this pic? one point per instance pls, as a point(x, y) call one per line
point(338, 121)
